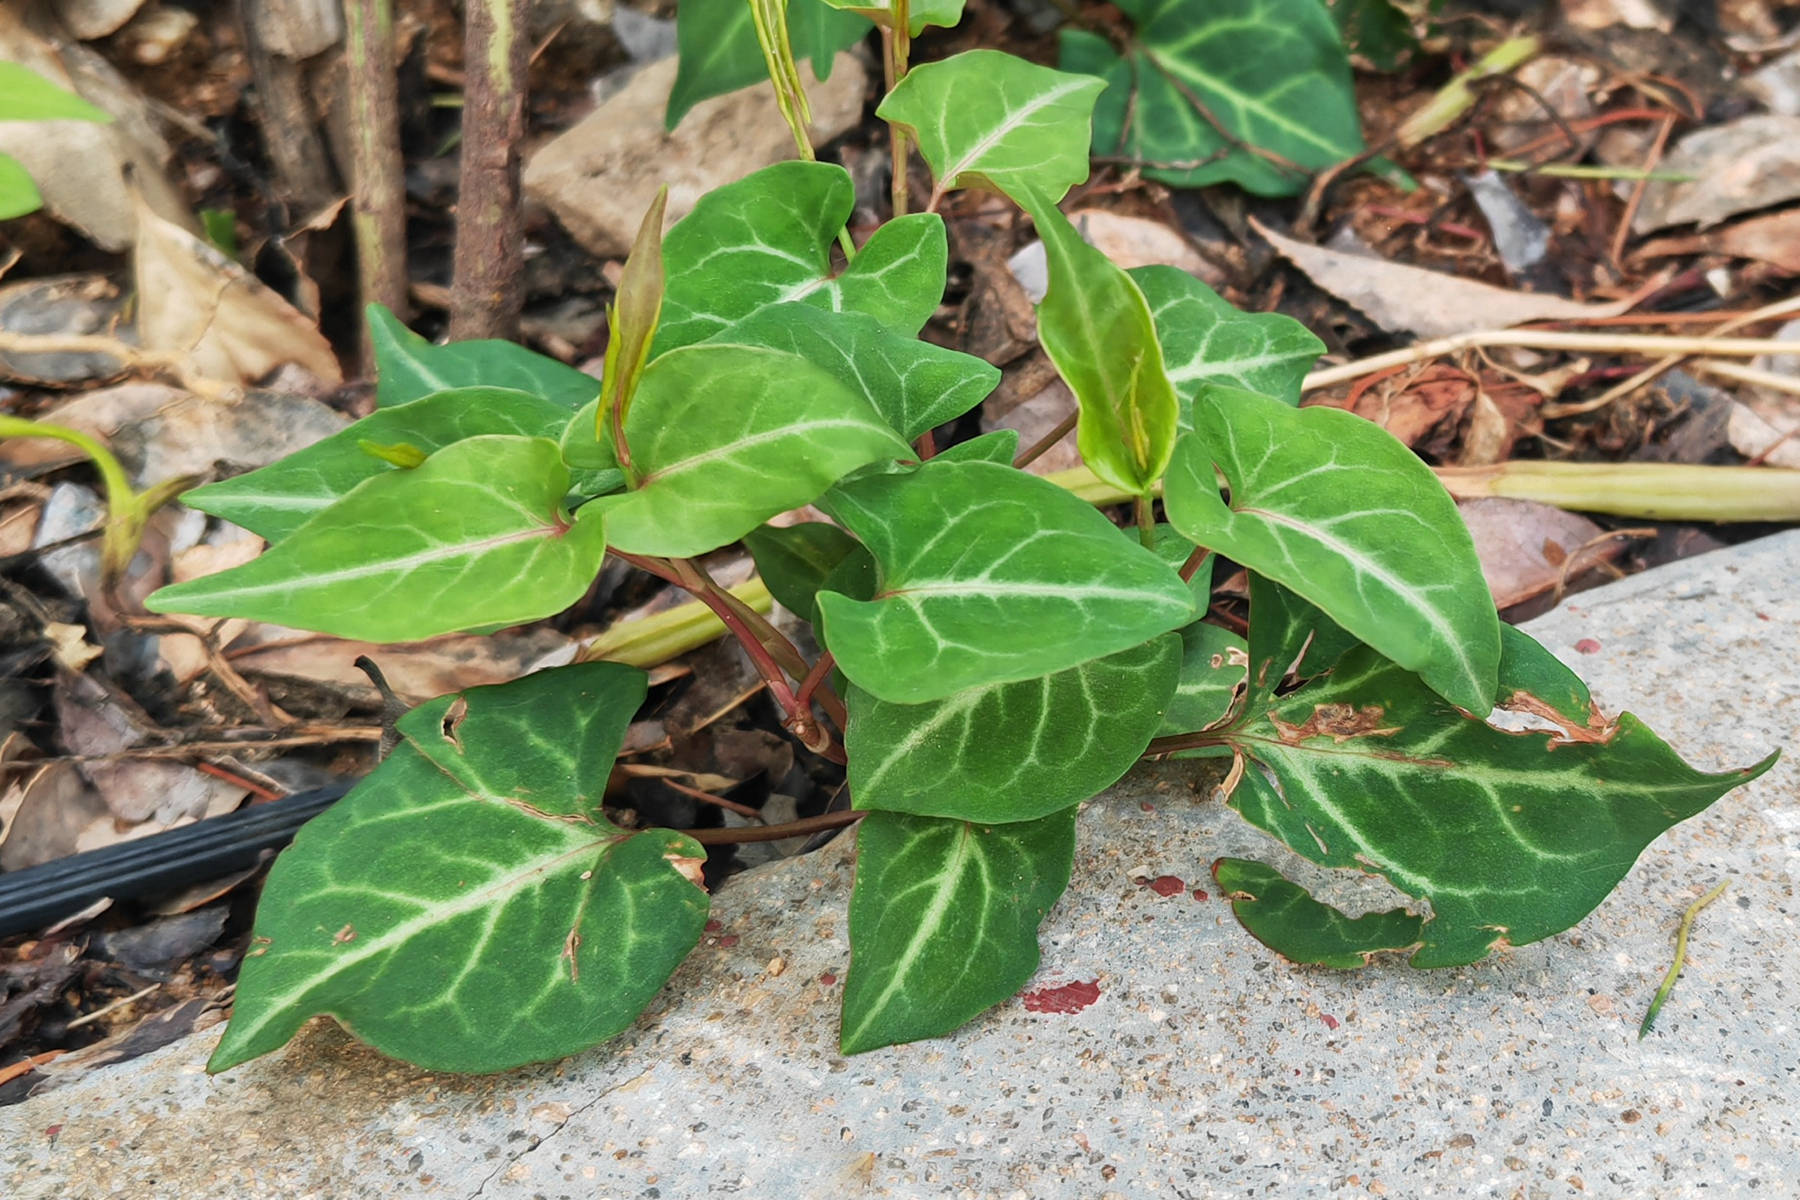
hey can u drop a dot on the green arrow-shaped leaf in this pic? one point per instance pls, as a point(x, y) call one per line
point(408, 367)
point(1011, 751)
point(468, 907)
point(277, 499)
point(724, 437)
point(1254, 91)
point(915, 385)
point(1333, 507)
point(767, 239)
point(942, 13)
point(943, 920)
point(1096, 327)
point(1205, 340)
point(798, 560)
point(987, 119)
point(996, 446)
point(1512, 837)
point(473, 539)
point(988, 575)
point(719, 53)
point(1284, 917)
point(27, 96)
point(18, 194)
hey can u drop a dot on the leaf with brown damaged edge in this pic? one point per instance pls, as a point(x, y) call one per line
point(1511, 836)
point(1407, 299)
point(468, 907)
point(1285, 918)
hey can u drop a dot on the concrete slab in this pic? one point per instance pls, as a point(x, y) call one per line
point(1205, 1068)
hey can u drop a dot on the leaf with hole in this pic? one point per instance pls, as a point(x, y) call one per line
point(1284, 917)
point(987, 575)
point(724, 437)
point(474, 539)
point(468, 907)
point(718, 51)
point(408, 367)
point(943, 920)
point(1511, 837)
point(987, 119)
point(1255, 92)
point(767, 239)
point(1214, 662)
point(275, 500)
point(915, 385)
point(1205, 340)
point(1096, 327)
point(1331, 506)
point(1011, 751)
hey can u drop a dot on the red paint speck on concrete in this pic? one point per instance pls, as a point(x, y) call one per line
point(1167, 885)
point(827, 979)
point(1146, 806)
point(714, 926)
point(1069, 998)
point(1331, 1022)
point(1587, 646)
point(730, 939)
point(1199, 895)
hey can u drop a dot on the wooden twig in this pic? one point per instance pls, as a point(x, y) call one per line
point(378, 190)
point(488, 279)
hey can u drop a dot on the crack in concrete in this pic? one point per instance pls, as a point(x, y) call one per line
point(555, 1129)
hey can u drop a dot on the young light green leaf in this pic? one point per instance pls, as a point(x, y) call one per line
point(1285, 918)
point(987, 575)
point(943, 920)
point(983, 118)
point(1334, 508)
point(795, 561)
point(1205, 340)
point(18, 194)
point(1512, 837)
point(719, 53)
point(767, 239)
point(1011, 751)
point(277, 499)
point(409, 367)
point(469, 907)
point(915, 385)
point(631, 319)
point(996, 446)
point(27, 96)
point(942, 13)
point(1096, 327)
point(1253, 91)
point(1214, 662)
point(724, 437)
point(475, 539)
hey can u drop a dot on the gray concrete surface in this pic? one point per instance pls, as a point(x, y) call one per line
point(1206, 1068)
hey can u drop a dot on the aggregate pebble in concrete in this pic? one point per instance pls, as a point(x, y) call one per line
point(1204, 1067)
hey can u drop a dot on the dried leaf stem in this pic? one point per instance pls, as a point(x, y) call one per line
point(1681, 940)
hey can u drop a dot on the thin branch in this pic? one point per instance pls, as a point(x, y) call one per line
point(376, 168)
point(775, 833)
point(488, 283)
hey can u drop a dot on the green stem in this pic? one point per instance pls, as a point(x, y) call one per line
point(896, 44)
point(1143, 509)
point(1681, 940)
point(126, 511)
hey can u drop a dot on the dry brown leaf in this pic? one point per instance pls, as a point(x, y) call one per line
point(18, 526)
point(195, 301)
point(1411, 406)
point(1406, 299)
point(1774, 239)
point(418, 670)
point(148, 792)
point(160, 432)
point(57, 814)
point(1742, 165)
point(1763, 441)
point(1524, 545)
point(80, 166)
